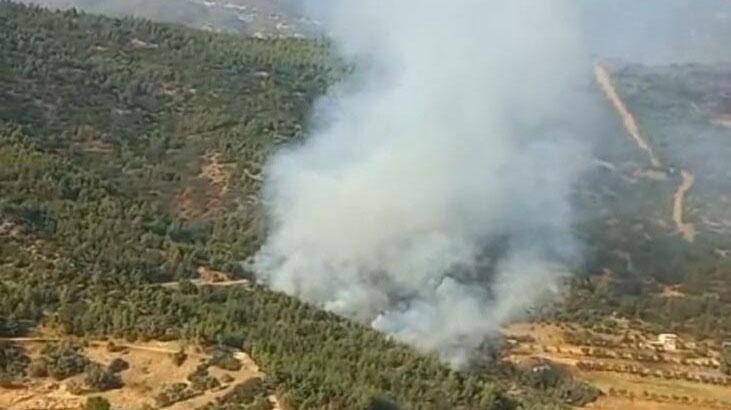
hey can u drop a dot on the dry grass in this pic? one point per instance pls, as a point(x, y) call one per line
point(619, 403)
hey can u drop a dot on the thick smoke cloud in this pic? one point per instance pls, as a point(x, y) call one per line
point(432, 200)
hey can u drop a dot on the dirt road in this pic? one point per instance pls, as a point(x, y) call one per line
point(605, 82)
point(201, 282)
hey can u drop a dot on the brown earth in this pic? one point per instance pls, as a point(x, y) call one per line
point(205, 194)
point(151, 367)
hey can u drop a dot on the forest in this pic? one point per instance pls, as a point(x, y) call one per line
point(639, 267)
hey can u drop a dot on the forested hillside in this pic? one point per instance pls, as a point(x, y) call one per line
point(130, 155)
point(640, 265)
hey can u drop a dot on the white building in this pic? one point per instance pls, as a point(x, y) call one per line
point(668, 341)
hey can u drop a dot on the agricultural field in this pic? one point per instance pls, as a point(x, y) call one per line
point(657, 209)
point(628, 365)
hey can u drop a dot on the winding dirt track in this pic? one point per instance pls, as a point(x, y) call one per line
point(605, 82)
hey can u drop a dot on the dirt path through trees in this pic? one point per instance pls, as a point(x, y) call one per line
point(605, 82)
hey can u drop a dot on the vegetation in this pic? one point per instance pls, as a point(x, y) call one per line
point(13, 362)
point(174, 393)
point(97, 403)
point(201, 380)
point(726, 360)
point(100, 379)
point(551, 377)
point(224, 359)
point(252, 394)
point(118, 365)
point(63, 360)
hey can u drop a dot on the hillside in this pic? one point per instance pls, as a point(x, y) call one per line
point(131, 154)
point(130, 169)
point(258, 18)
point(655, 217)
point(659, 222)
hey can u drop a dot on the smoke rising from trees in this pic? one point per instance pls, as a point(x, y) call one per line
point(432, 199)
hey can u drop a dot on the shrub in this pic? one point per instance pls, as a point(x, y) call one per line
point(380, 403)
point(38, 368)
point(13, 361)
point(225, 360)
point(174, 393)
point(179, 357)
point(114, 348)
point(578, 393)
point(726, 360)
point(201, 380)
point(251, 394)
point(101, 379)
point(97, 403)
point(64, 360)
point(118, 365)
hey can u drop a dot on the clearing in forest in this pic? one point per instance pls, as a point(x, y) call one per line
point(151, 369)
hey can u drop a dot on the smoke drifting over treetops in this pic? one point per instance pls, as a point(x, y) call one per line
point(433, 197)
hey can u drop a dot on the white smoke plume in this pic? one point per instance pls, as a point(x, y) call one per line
point(432, 198)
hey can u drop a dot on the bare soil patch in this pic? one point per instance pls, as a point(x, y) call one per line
point(150, 369)
point(205, 194)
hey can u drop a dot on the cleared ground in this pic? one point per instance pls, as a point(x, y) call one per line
point(150, 368)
